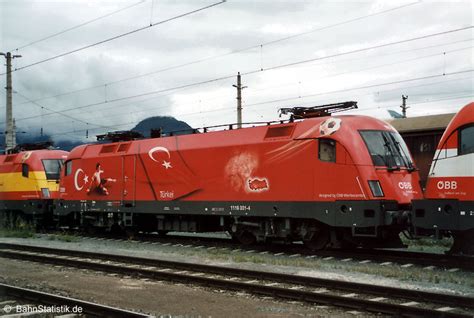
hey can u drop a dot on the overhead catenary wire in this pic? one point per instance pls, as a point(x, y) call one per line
point(321, 93)
point(269, 87)
point(363, 87)
point(299, 96)
point(78, 25)
point(423, 102)
point(275, 67)
point(360, 50)
point(151, 11)
point(371, 57)
point(42, 107)
point(131, 97)
point(116, 126)
point(117, 36)
point(235, 51)
point(250, 108)
point(328, 76)
point(379, 66)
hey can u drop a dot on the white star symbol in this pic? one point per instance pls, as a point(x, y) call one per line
point(166, 164)
point(86, 178)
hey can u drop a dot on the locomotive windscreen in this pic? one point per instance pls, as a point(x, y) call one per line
point(52, 168)
point(387, 149)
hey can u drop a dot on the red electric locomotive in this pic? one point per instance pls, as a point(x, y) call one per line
point(448, 208)
point(324, 180)
point(29, 182)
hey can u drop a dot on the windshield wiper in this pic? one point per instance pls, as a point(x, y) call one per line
point(404, 156)
point(389, 154)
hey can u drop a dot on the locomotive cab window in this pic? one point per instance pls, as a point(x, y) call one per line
point(327, 150)
point(25, 170)
point(466, 140)
point(68, 169)
point(387, 148)
point(52, 168)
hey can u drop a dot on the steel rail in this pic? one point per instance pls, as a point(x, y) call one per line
point(254, 274)
point(52, 299)
point(417, 258)
point(380, 255)
point(364, 304)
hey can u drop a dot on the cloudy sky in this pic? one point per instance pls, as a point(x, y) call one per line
point(290, 53)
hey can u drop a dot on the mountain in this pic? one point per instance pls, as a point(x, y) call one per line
point(66, 145)
point(166, 123)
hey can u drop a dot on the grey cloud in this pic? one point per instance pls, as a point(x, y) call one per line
point(233, 25)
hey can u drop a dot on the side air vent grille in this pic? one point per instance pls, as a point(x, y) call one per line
point(108, 149)
point(10, 158)
point(280, 131)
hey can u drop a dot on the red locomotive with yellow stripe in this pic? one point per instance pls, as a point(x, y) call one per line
point(29, 182)
point(448, 208)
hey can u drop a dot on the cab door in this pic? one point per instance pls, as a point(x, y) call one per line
point(129, 166)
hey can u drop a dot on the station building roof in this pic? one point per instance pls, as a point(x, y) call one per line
point(421, 123)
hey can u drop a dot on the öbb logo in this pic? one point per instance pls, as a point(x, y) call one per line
point(447, 185)
point(405, 185)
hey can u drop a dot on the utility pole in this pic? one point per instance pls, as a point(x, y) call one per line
point(239, 100)
point(10, 136)
point(404, 106)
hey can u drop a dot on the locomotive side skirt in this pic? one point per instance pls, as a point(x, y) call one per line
point(434, 216)
point(356, 215)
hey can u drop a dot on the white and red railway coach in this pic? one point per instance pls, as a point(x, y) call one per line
point(448, 207)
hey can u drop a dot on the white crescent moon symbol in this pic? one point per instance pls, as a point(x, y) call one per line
point(75, 179)
point(159, 148)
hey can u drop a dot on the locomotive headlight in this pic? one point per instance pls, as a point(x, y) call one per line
point(376, 188)
point(45, 192)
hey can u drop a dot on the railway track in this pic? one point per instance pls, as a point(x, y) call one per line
point(381, 256)
point(47, 305)
point(451, 262)
point(355, 296)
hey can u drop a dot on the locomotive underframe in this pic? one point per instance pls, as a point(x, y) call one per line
point(445, 218)
point(446, 214)
point(369, 222)
point(37, 213)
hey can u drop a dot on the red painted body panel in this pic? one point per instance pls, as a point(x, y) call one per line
point(452, 175)
point(463, 190)
point(463, 117)
point(265, 163)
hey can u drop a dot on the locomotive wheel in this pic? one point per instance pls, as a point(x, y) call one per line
point(4, 220)
point(89, 229)
point(246, 237)
point(18, 221)
point(130, 233)
point(318, 239)
point(117, 230)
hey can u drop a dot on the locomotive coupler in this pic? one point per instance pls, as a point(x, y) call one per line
point(397, 217)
